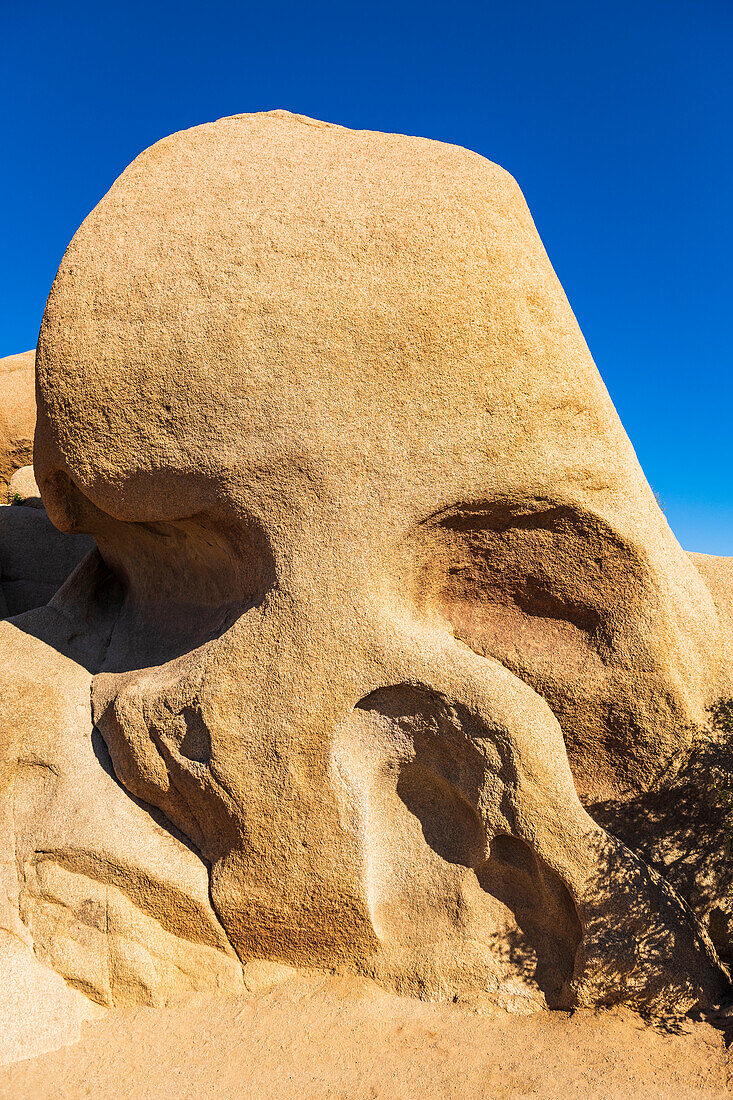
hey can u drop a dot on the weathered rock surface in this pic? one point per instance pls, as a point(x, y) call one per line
point(382, 596)
point(717, 573)
point(23, 488)
point(17, 414)
point(96, 889)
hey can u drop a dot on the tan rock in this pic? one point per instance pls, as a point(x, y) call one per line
point(382, 587)
point(717, 572)
point(17, 413)
point(681, 827)
point(35, 558)
point(23, 489)
point(39, 1011)
point(103, 895)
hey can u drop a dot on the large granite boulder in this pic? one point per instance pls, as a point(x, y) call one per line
point(382, 601)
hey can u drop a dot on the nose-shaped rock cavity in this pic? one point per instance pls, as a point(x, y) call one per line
point(452, 901)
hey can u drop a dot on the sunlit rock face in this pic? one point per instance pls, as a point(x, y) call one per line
point(17, 414)
point(382, 596)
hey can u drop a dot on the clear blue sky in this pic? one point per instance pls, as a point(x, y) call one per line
point(616, 119)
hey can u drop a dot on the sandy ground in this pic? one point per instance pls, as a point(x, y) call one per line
point(319, 1038)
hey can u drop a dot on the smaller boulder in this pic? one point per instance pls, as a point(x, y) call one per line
point(17, 413)
point(22, 488)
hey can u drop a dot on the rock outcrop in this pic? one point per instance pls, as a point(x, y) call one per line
point(35, 558)
point(382, 598)
point(17, 414)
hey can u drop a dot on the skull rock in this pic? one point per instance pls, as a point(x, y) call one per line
point(396, 595)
